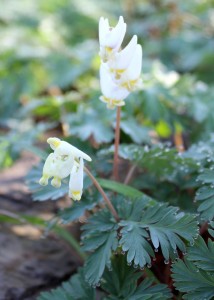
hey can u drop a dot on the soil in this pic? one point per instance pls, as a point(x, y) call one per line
point(29, 263)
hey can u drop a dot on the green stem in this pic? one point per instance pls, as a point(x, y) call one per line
point(130, 174)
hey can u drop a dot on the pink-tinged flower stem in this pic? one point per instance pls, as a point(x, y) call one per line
point(105, 197)
point(116, 145)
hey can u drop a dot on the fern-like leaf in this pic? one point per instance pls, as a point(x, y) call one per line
point(163, 225)
point(122, 283)
point(205, 194)
point(147, 291)
point(159, 159)
point(196, 283)
point(134, 241)
point(202, 255)
point(100, 236)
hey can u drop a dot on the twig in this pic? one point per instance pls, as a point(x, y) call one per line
point(130, 174)
point(116, 145)
point(105, 197)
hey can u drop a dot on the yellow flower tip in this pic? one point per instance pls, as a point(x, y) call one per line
point(43, 180)
point(54, 142)
point(76, 195)
point(56, 182)
point(108, 49)
point(111, 103)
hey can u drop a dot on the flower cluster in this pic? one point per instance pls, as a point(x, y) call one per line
point(64, 161)
point(120, 69)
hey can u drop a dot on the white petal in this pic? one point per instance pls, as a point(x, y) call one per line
point(48, 169)
point(58, 166)
point(54, 142)
point(108, 87)
point(76, 181)
point(78, 153)
point(103, 29)
point(123, 58)
point(67, 149)
point(134, 69)
point(63, 166)
point(49, 165)
point(117, 34)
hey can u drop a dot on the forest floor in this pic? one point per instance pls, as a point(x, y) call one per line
point(29, 263)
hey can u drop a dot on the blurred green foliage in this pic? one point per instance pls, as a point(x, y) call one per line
point(53, 44)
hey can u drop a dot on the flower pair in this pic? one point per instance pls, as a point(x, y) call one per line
point(64, 161)
point(120, 69)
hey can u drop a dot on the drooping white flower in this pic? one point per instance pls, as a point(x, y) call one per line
point(57, 167)
point(110, 38)
point(130, 78)
point(76, 181)
point(121, 60)
point(60, 163)
point(113, 94)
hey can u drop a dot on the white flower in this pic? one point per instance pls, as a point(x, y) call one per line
point(57, 167)
point(61, 162)
point(110, 38)
point(121, 60)
point(130, 78)
point(120, 69)
point(76, 181)
point(113, 94)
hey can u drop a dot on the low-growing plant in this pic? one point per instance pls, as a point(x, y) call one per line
point(139, 240)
